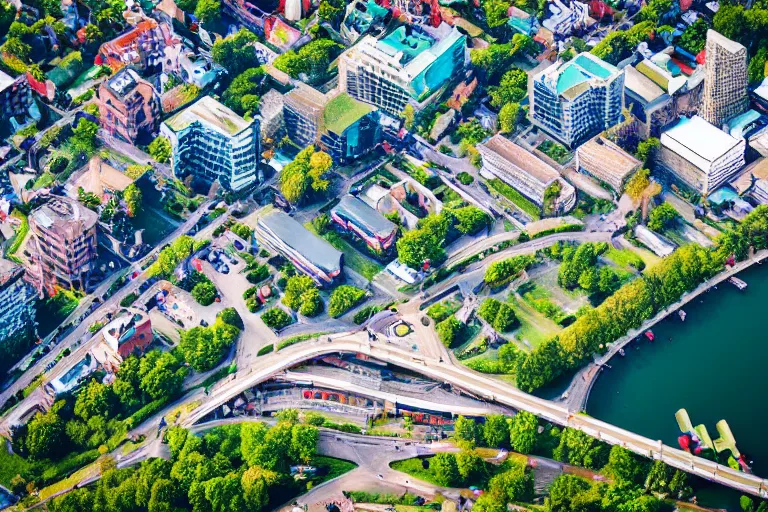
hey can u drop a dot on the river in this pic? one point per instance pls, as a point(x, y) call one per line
point(713, 365)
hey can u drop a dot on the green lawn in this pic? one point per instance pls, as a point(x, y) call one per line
point(353, 258)
point(625, 258)
point(335, 467)
point(414, 468)
point(10, 465)
point(516, 198)
point(534, 327)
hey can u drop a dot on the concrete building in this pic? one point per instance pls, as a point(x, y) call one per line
point(303, 109)
point(63, 246)
point(524, 172)
point(142, 47)
point(700, 154)
point(212, 143)
point(355, 216)
point(99, 179)
point(725, 81)
point(350, 128)
point(753, 181)
point(130, 332)
point(567, 16)
point(309, 253)
point(129, 107)
point(575, 100)
point(17, 304)
point(15, 100)
point(601, 158)
point(407, 66)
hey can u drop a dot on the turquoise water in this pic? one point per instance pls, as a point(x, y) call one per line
point(713, 365)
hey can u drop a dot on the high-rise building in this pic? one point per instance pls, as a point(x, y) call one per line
point(211, 142)
point(303, 110)
point(129, 107)
point(350, 128)
point(63, 245)
point(526, 173)
point(725, 79)
point(575, 100)
point(408, 65)
point(700, 154)
point(17, 303)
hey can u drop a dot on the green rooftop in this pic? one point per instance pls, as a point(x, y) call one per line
point(343, 111)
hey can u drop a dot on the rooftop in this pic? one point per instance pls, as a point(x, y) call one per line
point(757, 170)
point(123, 82)
point(406, 42)
point(5, 81)
point(294, 235)
point(724, 42)
point(362, 214)
point(698, 141)
point(210, 113)
point(611, 158)
point(580, 70)
point(641, 85)
point(521, 158)
point(61, 211)
point(343, 111)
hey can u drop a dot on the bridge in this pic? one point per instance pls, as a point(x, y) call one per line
point(489, 389)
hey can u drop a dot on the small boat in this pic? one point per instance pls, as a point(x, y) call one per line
point(738, 283)
point(682, 314)
point(649, 334)
point(621, 352)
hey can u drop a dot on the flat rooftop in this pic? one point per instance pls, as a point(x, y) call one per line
point(294, 235)
point(210, 113)
point(61, 211)
point(343, 111)
point(408, 43)
point(698, 141)
point(580, 70)
point(5, 81)
point(123, 82)
point(521, 158)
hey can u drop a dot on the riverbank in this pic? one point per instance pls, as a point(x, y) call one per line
point(575, 397)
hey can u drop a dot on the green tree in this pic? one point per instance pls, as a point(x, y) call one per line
point(276, 318)
point(444, 468)
point(496, 12)
point(252, 437)
point(496, 431)
point(564, 490)
point(469, 465)
point(637, 184)
point(132, 197)
point(449, 331)
point(512, 88)
point(466, 432)
point(302, 295)
point(83, 138)
point(207, 10)
point(523, 429)
point(162, 496)
point(580, 449)
point(343, 298)
point(235, 52)
point(46, 436)
point(508, 116)
point(311, 59)
point(625, 465)
point(730, 22)
point(160, 149)
point(225, 493)
point(409, 115)
point(647, 149)
point(95, 399)
point(757, 66)
point(662, 217)
point(419, 245)
point(204, 293)
point(695, 36)
point(304, 440)
point(14, 47)
point(255, 482)
point(244, 89)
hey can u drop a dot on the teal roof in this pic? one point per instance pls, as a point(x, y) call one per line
point(595, 67)
point(410, 44)
point(743, 123)
point(570, 76)
point(581, 69)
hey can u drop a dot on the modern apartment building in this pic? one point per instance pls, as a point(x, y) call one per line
point(129, 107)
point(355, 216)
point(601, 158)
point(524, 172)
point(350, 128)
point(725, 80)
point(212, 143)
point(575, 100)
point(15, 96)
point(407, 65)
point(17, 303)
point(700, 154)
point(63, 246)
point(310, 254)
point(303, 109)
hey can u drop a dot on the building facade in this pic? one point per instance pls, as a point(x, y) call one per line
point(356, 217)
point(63, 245)
point(310, 254)
point(407, 65)
point(17, 303)
point(725, 80)
point(575, 100)
point(601, 158)
point(524, 172)
point(212, 143)
point(303, 109)
point(15, 96)
point(350, 129)
point(129, 107)
point(701, 155)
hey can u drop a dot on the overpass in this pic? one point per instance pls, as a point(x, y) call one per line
point(489, 389)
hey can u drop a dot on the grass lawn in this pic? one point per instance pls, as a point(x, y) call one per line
point(534, 328)
point(353, 258)
point(516, 198)
point(10, 465)
point(61, 485)
point(625, 258)
point(414, 468)
point(335, 467)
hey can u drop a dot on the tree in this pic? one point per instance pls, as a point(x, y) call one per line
point(204, 293)
point(160, 149)
point(304, 440)
point(276, 318)
point(225, 493)
point(757, 66)
point(444, 468)
point(95, 399)
point(469, 464)
point(329, 10)
point(132, 197)
point(252, 437)
point(311, 59)
point(83, 138)
point(46, 436)
point(501, 273)
point(304, 172)
point(92, 33)
point(496, 431)
point(466, 432)
point(161, 374)
point(512, 88)
point(302, 295)
point(449, 331)
point(637, 184)
point(344, 298)
point(470, 219)
point(695, 36)
point(207, 10)
point(508, 116)
point(625, 465)
point(731, 23)
point(419, 245)
point(14, 47)
point(523, 429)
point(662, 217)
point(230, 316)
point(563, 491)
point(162, 496)
point(409, 115)
point(244, 89)
point(499, 314)
point(235, 52)
point(580, 449)
point(647, 149)
point(256, 482)
point(496, 12)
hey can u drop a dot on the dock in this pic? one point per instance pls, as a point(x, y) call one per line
point(738, 283)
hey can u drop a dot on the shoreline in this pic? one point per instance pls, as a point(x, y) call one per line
point(576, 396)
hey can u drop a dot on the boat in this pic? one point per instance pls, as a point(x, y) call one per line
point(621, 352)
point(738, 283)
point(649, 334)
point(682, 314)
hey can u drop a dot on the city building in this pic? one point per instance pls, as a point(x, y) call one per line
point(566, 16)
point(725, 81)
point(16, 102)
point(408, 198)
point(575, 100)
point(63, 246)
point(130, 332)
point(526, 173)
point(751, 126)
point(700, 154)
point(355, 216)
point(361, 17)
point(309, 253)
point(99, 179)
point(350, 128)
point(601, 158)
point(406, 66)
point(212, 143)
point(303, 109)
point(129, 107)
point(753, 181)
point(17, 304)
point(143, 47)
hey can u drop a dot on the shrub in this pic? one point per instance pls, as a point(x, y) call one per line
point(231, 316)
point(253, 304)
point(449, 330)
point(129, 299)
point(343, 299)
point(257, 275)
point(265, 350)
point(440, 311)
point(465, 178)
point(276, 318)
point(302, 295)
point(204, 293)
point(499, 314)
point(241, 230)
point(500, 273)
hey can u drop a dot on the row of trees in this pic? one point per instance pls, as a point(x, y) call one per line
point(203, 347)
point(303, 295)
